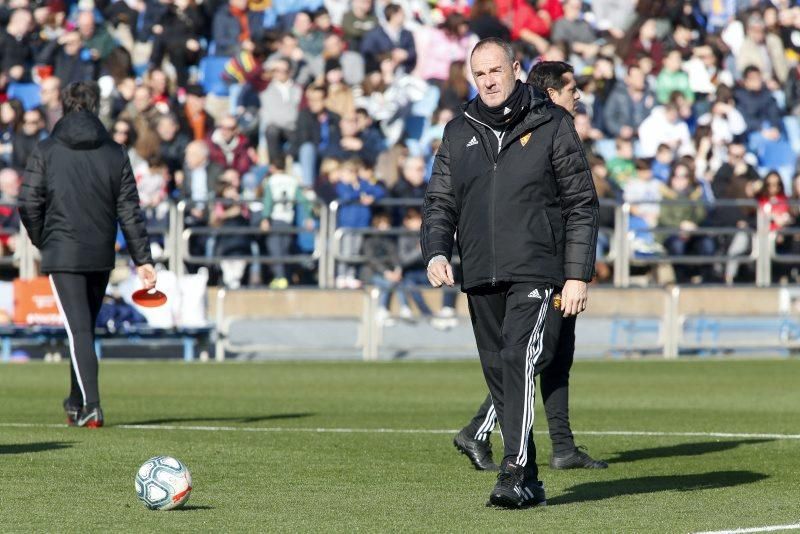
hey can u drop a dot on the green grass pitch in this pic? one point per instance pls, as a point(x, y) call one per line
point(293, 478)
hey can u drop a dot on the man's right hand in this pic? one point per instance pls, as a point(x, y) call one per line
point(147, 274)
point(440, 272)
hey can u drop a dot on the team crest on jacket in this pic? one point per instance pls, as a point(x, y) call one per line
point(525, 138)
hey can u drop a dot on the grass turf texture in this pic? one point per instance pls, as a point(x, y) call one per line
point(69, 479)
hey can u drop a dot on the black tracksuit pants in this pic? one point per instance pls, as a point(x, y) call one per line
point(516, 329)
point(79, 297)
point(554, 384)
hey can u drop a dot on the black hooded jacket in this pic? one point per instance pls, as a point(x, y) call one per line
point(529, 213)
point(78, 184)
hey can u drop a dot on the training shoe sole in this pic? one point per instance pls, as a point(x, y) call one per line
point(463, 450)
point(504, 501)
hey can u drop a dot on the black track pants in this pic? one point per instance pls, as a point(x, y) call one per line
point(516, 329)
point(554, 385)
point(79, 297)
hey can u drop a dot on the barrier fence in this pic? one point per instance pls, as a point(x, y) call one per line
point(178, 232)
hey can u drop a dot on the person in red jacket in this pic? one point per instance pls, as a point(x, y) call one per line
point(230, 149)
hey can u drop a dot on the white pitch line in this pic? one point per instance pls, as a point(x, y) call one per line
point(632, 433)
point(754, 529)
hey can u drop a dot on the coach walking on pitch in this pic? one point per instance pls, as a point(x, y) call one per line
point(78, 184)
point(512, 180)
point(557, 80)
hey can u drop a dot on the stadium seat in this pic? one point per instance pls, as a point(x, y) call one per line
point(30, 94)
point(211, 69)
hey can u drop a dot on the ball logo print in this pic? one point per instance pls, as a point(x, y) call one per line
point(163, 483)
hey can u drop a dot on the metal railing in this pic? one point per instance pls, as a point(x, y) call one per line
point(764, 251)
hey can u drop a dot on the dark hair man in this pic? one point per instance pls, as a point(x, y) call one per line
point(556, 79)
point(78, 184)
point(511, 178)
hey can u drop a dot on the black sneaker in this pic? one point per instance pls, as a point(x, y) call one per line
point(478, 452)
point(533, 494)
point(508, 491)
point(577, 459)
point(72, 410)
point(91, 418)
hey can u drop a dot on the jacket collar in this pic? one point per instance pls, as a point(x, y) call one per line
point(537, 114)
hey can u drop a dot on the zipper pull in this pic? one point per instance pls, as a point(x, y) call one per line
point(495, 167)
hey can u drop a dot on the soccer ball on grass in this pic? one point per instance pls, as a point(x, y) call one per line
point(163, 483)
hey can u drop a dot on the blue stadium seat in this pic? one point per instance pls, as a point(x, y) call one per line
point(30, 94)
point(211, 69)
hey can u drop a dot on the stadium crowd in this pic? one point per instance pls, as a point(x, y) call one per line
point(255, 112)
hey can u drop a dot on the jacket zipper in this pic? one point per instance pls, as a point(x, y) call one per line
point(494, 208)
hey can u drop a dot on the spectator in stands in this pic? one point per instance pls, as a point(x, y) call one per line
point(283, 197)
point(176, 36)
point(772, 200)
point(685, 216)
point(96, 39)
point(317, 130)
point(456, 90)
point(355, 196)
point(199, 180)
point(573, 28)
point(70, 63)
point(644, 193)
point(9, 216)
point(451, 41)
point(352, 63)
point(173, 142)
point(11, 113)
point(628, 105)
point(764, 51)
point(16, 48)
point(51, 101)
point(354, 144)
point(621, 168)
point(531, 22)
point(608, 190)
point(327, 179)
point(340, 98)
point(357, 22)
point(757, 105)
point(642, 41)
point(280, 105)
point(30, 132)
point(309, 38)
point(235, 28)
point(390, 38)
point(586, 132)
point(194, 118)
point(151, 183)
point(672, 78)
point(228, 148)
point(661, 167)
point(484, 22)
point(382, 268)
point(664, 125)
point(412, 183)
point(412, 263)
point(230, 212)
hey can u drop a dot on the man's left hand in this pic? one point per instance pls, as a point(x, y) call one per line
point(573, 297)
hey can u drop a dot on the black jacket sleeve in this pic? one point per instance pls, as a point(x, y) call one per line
point(439, 210)
point(131, 218)
point(579, 205)
point(32, 195)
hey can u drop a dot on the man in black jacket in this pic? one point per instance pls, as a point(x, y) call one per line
point(512, 179)
point(556, 79)
point(78, 184)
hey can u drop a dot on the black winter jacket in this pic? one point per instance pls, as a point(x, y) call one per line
point(529, 213)
point(78, 183)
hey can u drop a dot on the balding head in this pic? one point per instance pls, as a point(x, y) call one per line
point(196, 154)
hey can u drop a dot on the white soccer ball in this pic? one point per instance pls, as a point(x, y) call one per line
point(163, 483)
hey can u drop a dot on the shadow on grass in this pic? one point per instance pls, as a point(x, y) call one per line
point(683, 449)
point(41, 446)
point(192, 508)
point(597, 491)
point(243, 419)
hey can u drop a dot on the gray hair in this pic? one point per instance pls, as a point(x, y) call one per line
point(507, 49)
